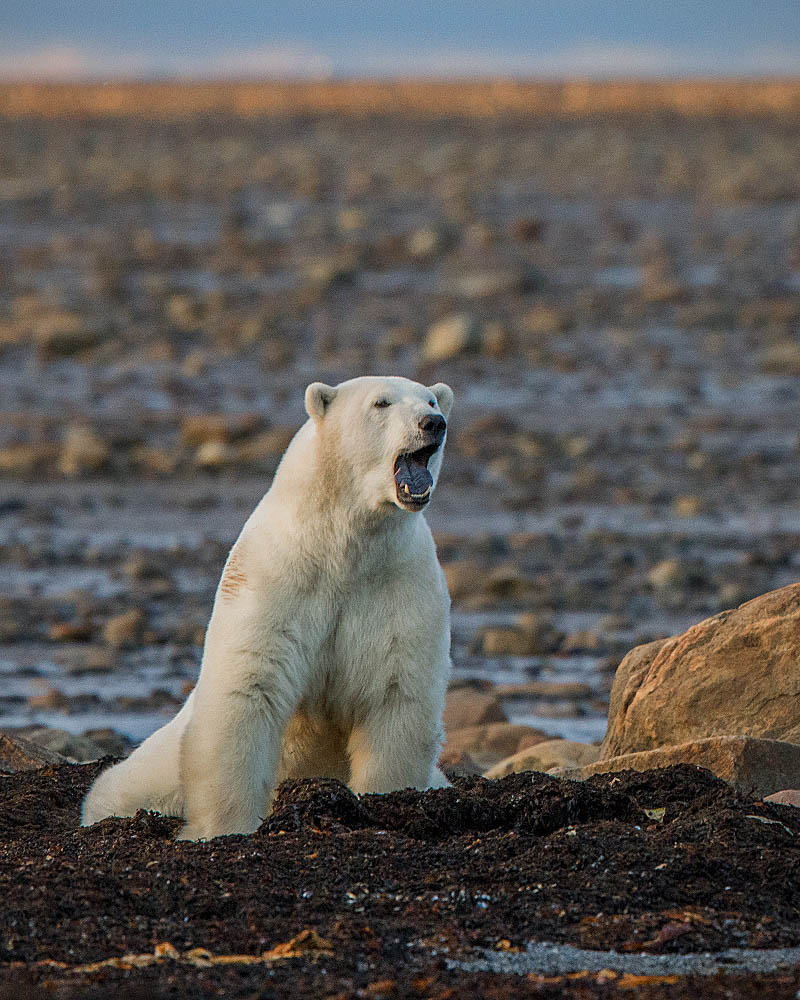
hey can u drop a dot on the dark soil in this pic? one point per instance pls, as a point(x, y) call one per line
point(397, 884)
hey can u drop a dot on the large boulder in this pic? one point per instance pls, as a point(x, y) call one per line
point(753, 767)
point(735, 674)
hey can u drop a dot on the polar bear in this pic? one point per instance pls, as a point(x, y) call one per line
point(328, 649)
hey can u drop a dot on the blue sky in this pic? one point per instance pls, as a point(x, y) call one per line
point(86, 38)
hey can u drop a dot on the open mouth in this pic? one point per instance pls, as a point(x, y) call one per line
point(413, 482)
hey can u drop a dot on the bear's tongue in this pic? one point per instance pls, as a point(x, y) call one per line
point(412, 479)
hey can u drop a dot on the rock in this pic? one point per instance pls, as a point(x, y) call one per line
point(60, 335)
point(492, 742)
point(545, 321)
point(125, 629)
point(785, 797)
point(670, 574)
point(426, 242)
point(17, 754)
point(782, 358)
point(734, 674)
point(265, 447)
point(528, 230)
point(109, 742)
point(59, 741)
point(468, 707)
point(451, 337)
point(530, 636)
point(463, 577)
point(153, 461)
point(82, 452)
point(545, 756)
point(214, 455)
point(458, 763)
point(71, 631)
point(754, 767)
point(24, 459)
point(86, 659)
point(199, 429)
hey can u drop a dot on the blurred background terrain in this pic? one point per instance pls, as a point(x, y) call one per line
point(606, 272)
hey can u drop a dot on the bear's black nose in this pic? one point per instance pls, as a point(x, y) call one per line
point(434, 425)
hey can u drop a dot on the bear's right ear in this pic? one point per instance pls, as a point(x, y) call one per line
point(318, 398)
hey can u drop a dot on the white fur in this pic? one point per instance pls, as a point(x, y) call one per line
point(327, 653)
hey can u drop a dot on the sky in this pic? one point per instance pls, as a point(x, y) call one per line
point(76, 39)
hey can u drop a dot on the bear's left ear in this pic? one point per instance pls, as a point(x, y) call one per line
point(444, 396)
point(318, 398)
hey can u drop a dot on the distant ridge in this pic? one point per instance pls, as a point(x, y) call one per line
point(484, 98)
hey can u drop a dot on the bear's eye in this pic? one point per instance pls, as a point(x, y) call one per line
point(432, 402)
point(381, 403)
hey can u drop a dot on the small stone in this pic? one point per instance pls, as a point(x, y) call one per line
point(71, 631)
point(82, 452)
point(546, 321)
point(492, 742)
point(782, 358)
point(125, 630)
point(25, 459)
point(531, 636)
point(458, 763)
point(214, 455)
point(265, 447)
point(468, 707)
point(109, 741)
point(545, 756)
point(687, 506)
point(154, 461)
point(451, 337)
point(60, 335)
point(203, 428)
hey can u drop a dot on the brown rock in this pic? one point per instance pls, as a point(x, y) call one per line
point(23, 459)
point(266, 446)
point(545, 320)
point(545, 756)
point(214, 455)
point(529, 636)
point(752, 766)
point(199, 429)
point(488, 744)
point(737, 673)
point(782, 358)
point(467, 707)
point(458, 763)
point(451, 337)
point(83, 452)
point(785, 797)
point(125, 629)
point(59, 335)
point(17, 754)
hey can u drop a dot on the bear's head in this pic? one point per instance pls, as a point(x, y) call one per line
point(385, 435)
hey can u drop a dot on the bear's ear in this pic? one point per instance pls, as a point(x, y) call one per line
point(444, 396)
point(318, 398)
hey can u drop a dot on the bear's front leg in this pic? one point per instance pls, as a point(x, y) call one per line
point(397, 746)
point(230, 753)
